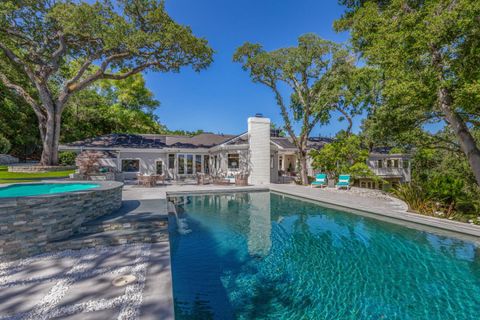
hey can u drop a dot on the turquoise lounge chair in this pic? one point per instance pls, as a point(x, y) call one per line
point(320, 180)
point(343, 181)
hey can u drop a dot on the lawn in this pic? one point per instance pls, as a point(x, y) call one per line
point(12, 177)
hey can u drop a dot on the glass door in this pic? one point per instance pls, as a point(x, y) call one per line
point(181, 164)
point(159, 167)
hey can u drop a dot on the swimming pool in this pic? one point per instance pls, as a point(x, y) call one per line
point(35, 189)
point(265, 256)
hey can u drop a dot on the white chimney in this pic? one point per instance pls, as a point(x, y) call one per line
point(259, 150)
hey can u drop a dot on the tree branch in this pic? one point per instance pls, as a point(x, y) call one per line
point(16, 60)
point(283, 110)
point(22, 93)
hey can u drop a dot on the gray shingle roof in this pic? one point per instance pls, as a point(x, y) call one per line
point(202, 140)
point(151, 141)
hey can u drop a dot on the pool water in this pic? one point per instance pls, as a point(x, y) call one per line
point(25, 190)
point(265, 256)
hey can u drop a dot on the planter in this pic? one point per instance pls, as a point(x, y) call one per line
point(38, 169)
point(241, 181)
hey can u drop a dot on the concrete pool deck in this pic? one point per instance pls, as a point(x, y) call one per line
point(78, 284)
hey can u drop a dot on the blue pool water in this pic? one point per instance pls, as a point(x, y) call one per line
point(24, 190)
point(264, 256)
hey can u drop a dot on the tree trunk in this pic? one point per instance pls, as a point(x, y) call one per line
point(303, 167)
point(467, 142)
point(50, 138)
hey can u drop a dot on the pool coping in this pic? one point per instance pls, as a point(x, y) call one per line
point(103, 185)
point(433, 223)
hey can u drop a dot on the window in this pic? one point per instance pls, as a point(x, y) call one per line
point(280, 163)
point(389, 163)
point(130, 165)
point(233, 160)
point(198, 163)
point(171, 161)
point(189, 163)
point(181, 164)
point(215, 162)
point(395, 163)
point(159, 167)
point(406, 164)
point(206, 164)
point(380, 163)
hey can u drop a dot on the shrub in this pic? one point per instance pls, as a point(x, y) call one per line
point(67, 158)
point(4, 144)
point(416, 198)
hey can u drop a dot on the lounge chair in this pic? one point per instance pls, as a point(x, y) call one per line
point(320, 181)
point(343, 181)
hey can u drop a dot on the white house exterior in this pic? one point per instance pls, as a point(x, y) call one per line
point(263, 155)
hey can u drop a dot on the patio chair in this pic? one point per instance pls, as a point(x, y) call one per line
point(160, 178)
point(139, 178)
point(343, 181)
point(320, 181)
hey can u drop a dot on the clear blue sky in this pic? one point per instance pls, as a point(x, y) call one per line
point(221, 98)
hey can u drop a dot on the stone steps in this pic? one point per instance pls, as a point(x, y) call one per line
point(109, 238)
point(123, 225)
point(115, 230)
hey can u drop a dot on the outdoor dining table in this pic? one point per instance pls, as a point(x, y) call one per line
point(149, 181)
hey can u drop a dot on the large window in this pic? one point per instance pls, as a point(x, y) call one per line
point(206, 164)
point(198, 163)
point(171, 161)
point(189, 163)
point(130, 165)
point(233, 161)
point(181, 164)
point(392, 163)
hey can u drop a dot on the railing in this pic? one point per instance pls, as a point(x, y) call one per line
point(393, 172)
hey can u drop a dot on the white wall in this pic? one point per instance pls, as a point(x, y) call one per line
point(259, 145)
point(147, 162)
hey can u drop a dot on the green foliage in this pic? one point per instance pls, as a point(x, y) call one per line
point(4, 144)
point(52, 50)
point(346, 155)
point(67, 158)
point(416, 198)
point(315, 72)
point(427, 54)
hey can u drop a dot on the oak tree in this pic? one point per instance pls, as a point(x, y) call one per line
point(104, 40)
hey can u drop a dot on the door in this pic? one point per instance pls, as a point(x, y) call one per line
point(159, 167)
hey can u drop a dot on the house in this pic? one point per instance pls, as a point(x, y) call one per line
point(259, 152)
point(392, 168)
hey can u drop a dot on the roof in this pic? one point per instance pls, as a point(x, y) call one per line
point(151, 141)
point(202, 140)
point(312, 143)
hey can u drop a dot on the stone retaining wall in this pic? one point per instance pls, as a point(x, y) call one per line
point(28, 224)
point(39, 169)
point(7, 159)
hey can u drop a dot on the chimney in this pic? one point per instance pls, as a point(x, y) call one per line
point(259, 149)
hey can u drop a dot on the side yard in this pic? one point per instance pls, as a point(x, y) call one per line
point(13, 177)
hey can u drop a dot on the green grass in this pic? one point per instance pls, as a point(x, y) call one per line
point(13, 177)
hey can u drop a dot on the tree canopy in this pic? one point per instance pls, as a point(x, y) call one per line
point(315, 73)
point(60, 47)
point(427, 54)
point(345, 155)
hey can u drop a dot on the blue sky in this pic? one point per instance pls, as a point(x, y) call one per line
point(221, 98)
